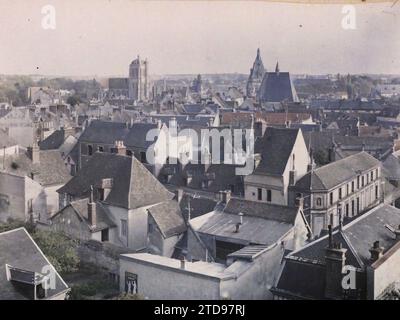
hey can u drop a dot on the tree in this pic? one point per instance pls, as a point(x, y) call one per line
point(73, 100)
point(60, 250)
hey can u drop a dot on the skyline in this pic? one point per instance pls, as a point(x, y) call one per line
point(305, 39)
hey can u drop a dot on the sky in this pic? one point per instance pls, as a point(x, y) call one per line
point(102, 37)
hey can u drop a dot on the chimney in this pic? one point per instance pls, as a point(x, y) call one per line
point(237, 227)
point(241, 214)
point(183, 263)
point(179, 195)
point(299, 202)
point(335, 259)
point(376, 251)
point(92, 217)
point(34, 152)
point(225, 196)
point(119, 148)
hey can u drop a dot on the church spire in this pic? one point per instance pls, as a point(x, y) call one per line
point(277, 67)
point(258, 53)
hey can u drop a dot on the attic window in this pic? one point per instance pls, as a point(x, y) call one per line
point(14, 165)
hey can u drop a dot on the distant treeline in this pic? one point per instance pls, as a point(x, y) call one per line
point(14, 89)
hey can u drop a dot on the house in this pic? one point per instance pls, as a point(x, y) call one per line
point(132, 204)
point(355, 261)
point(344, 188)
point(158, 277)
point(63, 140)
point(28, 183)
point(25, 272)
point(281, 159)
point(247, 257)
point(240, 223)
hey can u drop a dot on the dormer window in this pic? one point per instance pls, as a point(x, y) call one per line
point(90, 150)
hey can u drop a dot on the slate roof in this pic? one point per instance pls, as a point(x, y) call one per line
point(49, 171)
point(263, 210)
point(198, 206)
point(53, 141)
point(338, 172)
point(392, 166)
point(81, 209)
point(357, 237)
point(168, 217)
point(104, 132)
point(277, 87)
point(18, 250)
point(136, 137)
point(254, 230)
point(275, 148)
point(133, 185)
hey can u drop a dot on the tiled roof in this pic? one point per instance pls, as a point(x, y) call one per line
point(133, 185)
point(49, 171)
point(168, 217)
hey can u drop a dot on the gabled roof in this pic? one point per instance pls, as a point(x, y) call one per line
point(275, 148)
point(133, 185)
point(49, 171)
point(357, 237)
point(277, 87)
point(168, 218)
point(81, 209)
point(338, 172)
point(18, 250)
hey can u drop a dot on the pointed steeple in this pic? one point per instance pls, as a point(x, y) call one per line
point(258, 53)
point(277, 67)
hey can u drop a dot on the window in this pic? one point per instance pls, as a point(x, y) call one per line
point(352, 207)
point(376, 192)
point(90, 150)
point(347, 189)
point(358, 182)
point(331, 198)
point(101, 194)
point(352, 186)
point(319, 201)
point(104, 235)
point(340, 193)
point(100, 149)
point(347, 210)
point(124, 228)
point(142, 157)
point(372, 176)
point(269, 195)
point(259, 194)
point(362, 181)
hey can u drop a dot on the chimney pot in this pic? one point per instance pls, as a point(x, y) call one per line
point(183, 263)
point(241, 217)
point(376, 251)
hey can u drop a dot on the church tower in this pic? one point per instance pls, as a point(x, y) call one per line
point(255, 77)
point(138, 80)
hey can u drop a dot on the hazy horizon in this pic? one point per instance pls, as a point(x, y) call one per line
point(100, 38)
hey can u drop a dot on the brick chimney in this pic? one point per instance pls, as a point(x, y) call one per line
point(119, 148)
point(34, 152)
point(225, 196)
point(335, 260)
point(92, 216)
point(376, 251)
